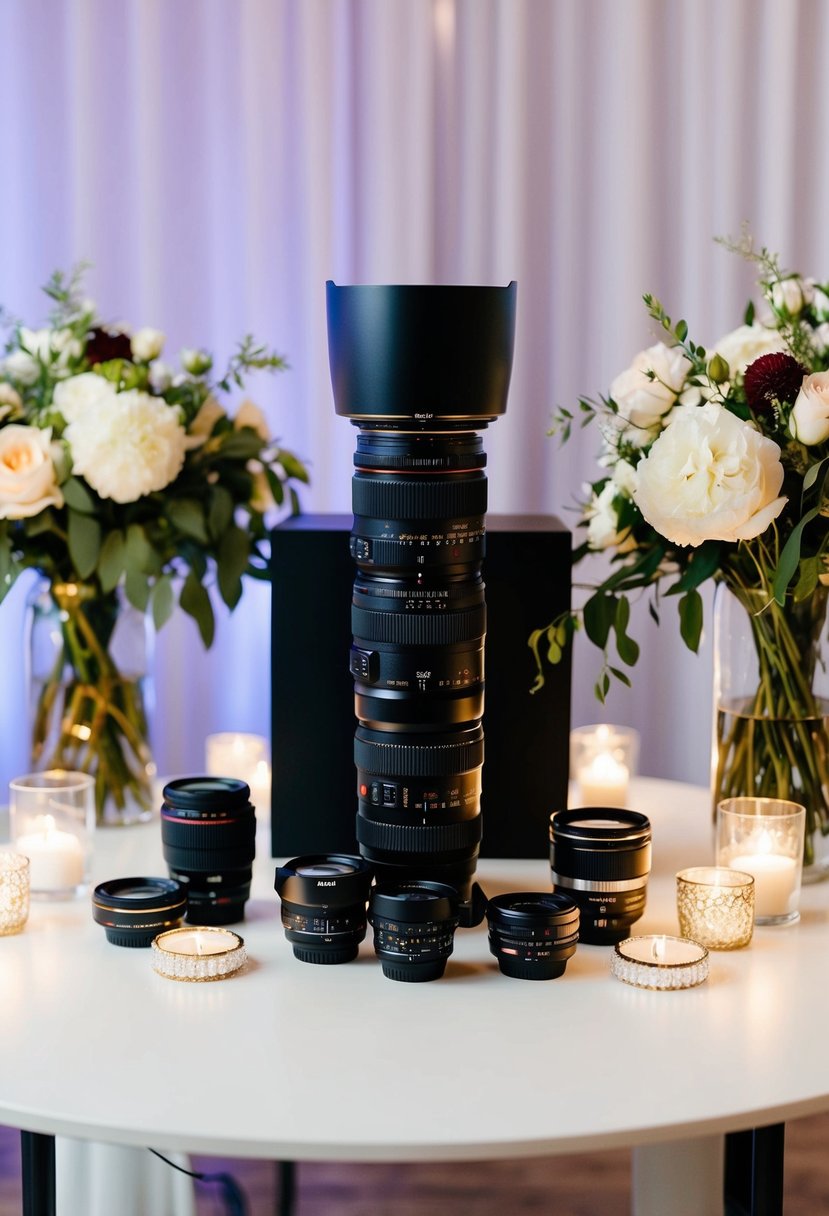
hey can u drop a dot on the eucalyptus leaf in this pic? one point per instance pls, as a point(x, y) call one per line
point(790, 557)
point(196, 603)
point(599, 615)
point(187, 514)
point(234, 552)
point(112, 560)
point(139, 553)
point(220, 510)
point(137, 587)
point(244, 444)
point(162, 600)
point(84, 535)
point(77, 496)
point(690, 619)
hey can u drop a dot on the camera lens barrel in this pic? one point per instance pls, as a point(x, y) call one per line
point(208, 835)
point(414, 928)
point(324, 899)
point(133, 911)
point(601, 858)
point(532, 934)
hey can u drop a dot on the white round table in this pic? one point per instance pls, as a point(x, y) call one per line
point(300, 1062)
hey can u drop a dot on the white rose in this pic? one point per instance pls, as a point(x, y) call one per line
point(77, 394)
point(160, 376)
point(791, 294)
point(133, 447)
point(624, 477)
point(146, 344)
point(820, 301)
point(643, 398)
point(809, 420)
point(196, 362)
point(710, 476)
point(10, 400)
point(250, 415)
point(603, 522)
point(820, 336)
point(747, 343)
point(27, 472)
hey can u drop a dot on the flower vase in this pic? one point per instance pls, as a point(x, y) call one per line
point(771, 707)
point(89, 655)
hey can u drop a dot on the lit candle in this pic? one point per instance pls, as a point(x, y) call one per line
point(198, 953)
point(776, 886)
point(245, 757)
point(603, 781)
point(56, 860)
point(660, 962)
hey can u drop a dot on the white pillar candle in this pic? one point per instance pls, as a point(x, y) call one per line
point(55, 857)
point(775, 882)
point(603, 781)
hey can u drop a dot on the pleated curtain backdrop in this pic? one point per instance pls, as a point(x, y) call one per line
point(217, 160)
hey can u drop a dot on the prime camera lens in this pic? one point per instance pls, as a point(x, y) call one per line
point(418, 370)
point(324, 899)
point(601, 858)
point(414, 928)
point(133, 911)
point(532, 934)
point(208, 834)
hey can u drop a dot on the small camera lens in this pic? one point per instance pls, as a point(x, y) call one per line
point(324, 901)
point(133, 911)
point(532, 934)
point(414, 928)
point(208, 834)
point(601, 858)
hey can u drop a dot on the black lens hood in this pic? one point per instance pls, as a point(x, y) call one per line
point(421, 356)
point(204, 796)
point(534, 910)
point(133, 911)
point(330, 890)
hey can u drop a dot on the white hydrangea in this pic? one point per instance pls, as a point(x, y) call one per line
point(133, 447)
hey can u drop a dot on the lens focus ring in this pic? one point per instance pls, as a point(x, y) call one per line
point(421, 498)
point(389, 759)
point(431, 838)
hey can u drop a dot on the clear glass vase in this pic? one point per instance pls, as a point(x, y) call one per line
point(771, 708)
point(89, 657)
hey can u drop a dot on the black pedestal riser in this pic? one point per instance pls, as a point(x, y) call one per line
point(527, 577)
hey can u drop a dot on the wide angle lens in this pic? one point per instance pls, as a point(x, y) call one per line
point(324, 899)
point(532, 933)
point(414, 928)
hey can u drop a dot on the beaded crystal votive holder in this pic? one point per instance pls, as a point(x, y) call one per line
point(715, 906)
point(198, 954)
point(14, 892)
point(660, 962)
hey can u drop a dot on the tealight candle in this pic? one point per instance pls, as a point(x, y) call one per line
point(53, 823)
point(660, 962)
point(198, 953)
point(603, 759)
point(764, 837)
point(55, 858)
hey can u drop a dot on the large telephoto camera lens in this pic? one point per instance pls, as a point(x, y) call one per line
point(419, 370)
point(532, 934)
point(208, 833)
point(414, 929)
point(324, 899)
point(601, 858)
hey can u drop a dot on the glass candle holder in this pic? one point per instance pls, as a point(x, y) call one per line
point(53, 824)
point(764, 837)
point(715, 906)
point(660, 962)
point(14, 892)
point(246, 757)
point(603, 758)
point(198, 954)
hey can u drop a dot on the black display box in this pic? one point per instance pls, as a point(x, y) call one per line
point(527, 574)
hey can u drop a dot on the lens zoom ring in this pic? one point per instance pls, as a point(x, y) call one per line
point(421, 629)
point(608, 866)
point(201, 836)
point(418, 760)
point(422, 498)
point(404, 838)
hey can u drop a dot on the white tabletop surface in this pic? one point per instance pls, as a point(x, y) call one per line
point(290, 1060)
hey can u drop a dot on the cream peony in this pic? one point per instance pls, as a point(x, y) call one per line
point(73, 397)
point(643, 399)
point(603, 522)
point(27, 472)
point(146, 344)
point(809, 421)
point(133, 447)
point(747, 343)
point(710, 476)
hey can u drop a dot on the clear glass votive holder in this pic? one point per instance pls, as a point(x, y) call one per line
point(14, 892)
point(243, 756)
point(715, 906)
point(53, 824)
point(764, 837)
point(603, 758)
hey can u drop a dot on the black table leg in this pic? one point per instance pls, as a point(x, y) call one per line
point(286, 1187)
point(38, 1173)
point(754, 1171)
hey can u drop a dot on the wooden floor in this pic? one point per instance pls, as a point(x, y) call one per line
point(585, 1185)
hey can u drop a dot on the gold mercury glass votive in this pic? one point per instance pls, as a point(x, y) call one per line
point(14, 892)
point(715, 906)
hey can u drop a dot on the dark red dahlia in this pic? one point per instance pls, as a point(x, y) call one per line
point(772, 378)
point(103, 345)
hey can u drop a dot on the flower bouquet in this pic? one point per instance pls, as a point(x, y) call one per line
point(714, 467)
point(129, 487)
